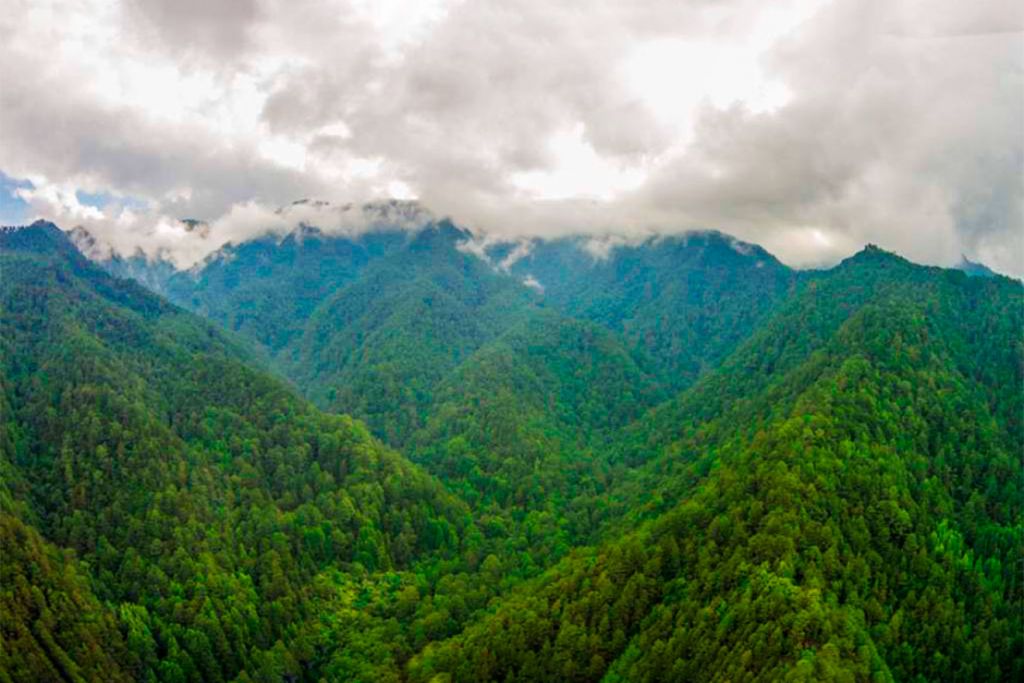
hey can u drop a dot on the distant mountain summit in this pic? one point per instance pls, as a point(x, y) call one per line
point(975, 269)
point(684, 300)
point(39, 236)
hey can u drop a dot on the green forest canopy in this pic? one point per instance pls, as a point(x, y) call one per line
point(686, 462)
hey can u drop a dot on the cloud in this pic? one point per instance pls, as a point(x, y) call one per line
point(901, 133)
point(197, 27)
point(532, 282)
point(808, 126)
point(120, 227)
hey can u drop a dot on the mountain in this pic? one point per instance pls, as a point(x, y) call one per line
point(210, 506)
point(845, 505)
point(267, 288)
point(975, 269)
point(152, 271)
point(685, 301)
point(520, 429)
point(377, 347)
point(675, 459)
point(435, 347)
point(321, 304)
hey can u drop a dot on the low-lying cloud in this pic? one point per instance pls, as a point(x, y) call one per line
point(809, 127)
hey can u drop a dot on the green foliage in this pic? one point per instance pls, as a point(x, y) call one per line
point(835, 494)
point(685, 302)
point(378, 348)
point(821, 547)
point(828, 490)
point(266, 289)
point(204, 496)
point(52, 627)
point(519, 430)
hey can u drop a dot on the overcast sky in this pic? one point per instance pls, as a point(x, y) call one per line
point(810, 127)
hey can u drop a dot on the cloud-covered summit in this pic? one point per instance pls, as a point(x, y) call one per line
point(807, 126)
point(187, 242)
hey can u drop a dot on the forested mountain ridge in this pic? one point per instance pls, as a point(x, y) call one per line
point(684, 300)
point(397, 329)
point(390, 337)
point(268, 287)
point(850, 511)
point(801, 326)
point(521, 429)
point(316, 301)
point(204, 498)
point(825, 487)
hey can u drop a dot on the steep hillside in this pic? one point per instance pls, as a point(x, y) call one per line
point(680, 461)
point(843, 503)
point(267, 288)
point(685, 301)
point(379, 347)
point(975, 319)
point(371, 323)
point(206, 499)
point(520, 429)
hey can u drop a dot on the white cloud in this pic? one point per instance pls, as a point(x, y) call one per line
point(518, 252)
point(676, 78)
point(896, 122)
point(44, 197)
point(532, 282)
point(577, 170)
point(601, 247)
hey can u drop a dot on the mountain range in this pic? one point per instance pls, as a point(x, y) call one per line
point(407, 453)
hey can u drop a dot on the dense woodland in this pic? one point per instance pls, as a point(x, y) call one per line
point(389, 458)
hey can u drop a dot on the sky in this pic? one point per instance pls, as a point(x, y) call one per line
point(811, 127)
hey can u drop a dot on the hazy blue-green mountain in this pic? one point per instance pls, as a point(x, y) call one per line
point(975, 269)
point(152, 271)
point(685, 301)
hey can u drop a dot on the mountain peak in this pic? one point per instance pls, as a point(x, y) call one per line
point(872, 253)
point(399, 213)
point(39, 224)
point(974, 268)
point(40, 236)
point(873, 250)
